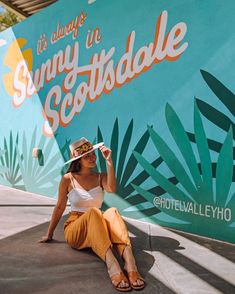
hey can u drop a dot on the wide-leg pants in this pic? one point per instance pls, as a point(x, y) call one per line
point(97, 230)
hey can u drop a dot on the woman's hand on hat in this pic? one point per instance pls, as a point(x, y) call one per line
point(106, 152)
point(75, 153)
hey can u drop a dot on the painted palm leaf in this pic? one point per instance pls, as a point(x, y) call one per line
point(151, 198)
point(114, 143)
point(214, 115)
point(132, 162)
point(222, 92)
point(204, 196)
point(217, 117)
point(224, 171)
point(142, 176)
point(135, 199)
point(102, 163)
point(65, 151)
point(174, 165)
point(231, 202)
point(125, 169)
point(124, 149)
point(160, 179)
point(214, 146)
point(41, 179)
point(180, 136)
point(8, 159)
point(3, 169)
point(206, 191)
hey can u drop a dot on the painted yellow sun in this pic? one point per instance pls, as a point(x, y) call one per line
point(13, 57)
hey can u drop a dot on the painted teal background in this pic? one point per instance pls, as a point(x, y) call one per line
point(211, 42)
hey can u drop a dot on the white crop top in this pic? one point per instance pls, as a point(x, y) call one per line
point(81, 200)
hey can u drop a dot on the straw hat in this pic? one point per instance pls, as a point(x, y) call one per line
point(82, 147)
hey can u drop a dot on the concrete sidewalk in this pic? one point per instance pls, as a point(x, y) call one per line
point(170, 261)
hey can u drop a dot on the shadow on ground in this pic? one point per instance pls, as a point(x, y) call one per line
point(31, 267)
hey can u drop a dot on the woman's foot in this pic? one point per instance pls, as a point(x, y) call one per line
point(118, 279)
point(136, 281)
point(120, 282)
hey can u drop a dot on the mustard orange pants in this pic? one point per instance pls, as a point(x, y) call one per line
point(97, 230)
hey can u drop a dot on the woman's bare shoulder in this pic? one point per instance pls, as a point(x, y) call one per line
point(66, 178)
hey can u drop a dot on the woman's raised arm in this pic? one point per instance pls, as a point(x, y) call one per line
point(109, 180)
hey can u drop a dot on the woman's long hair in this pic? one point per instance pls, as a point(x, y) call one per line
point(74, 166)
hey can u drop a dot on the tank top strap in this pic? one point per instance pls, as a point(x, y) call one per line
point(72, 180)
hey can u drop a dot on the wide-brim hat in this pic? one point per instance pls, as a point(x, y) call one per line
point(83, 147)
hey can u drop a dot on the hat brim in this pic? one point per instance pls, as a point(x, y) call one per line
point(96, 146)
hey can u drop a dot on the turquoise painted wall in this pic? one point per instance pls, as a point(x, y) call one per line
point(155, 83)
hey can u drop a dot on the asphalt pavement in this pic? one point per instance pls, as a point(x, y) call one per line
point(170, 261)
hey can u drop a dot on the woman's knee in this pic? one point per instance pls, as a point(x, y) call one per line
point(112, 210)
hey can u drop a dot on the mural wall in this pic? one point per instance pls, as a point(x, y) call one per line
point(152, 79)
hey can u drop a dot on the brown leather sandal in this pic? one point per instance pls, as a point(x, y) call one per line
point(133, 276)
point(117, 279)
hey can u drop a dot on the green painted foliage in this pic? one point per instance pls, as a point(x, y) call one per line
point(65, 152)
point(196, 184)
point(134, 204)
point(39, 175)
point(8, 159)
point(3, 169)
point(215, 116)
point(18, 169)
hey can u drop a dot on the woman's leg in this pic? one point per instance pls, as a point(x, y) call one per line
point(117, 230)
point(121, 241)
point(118, 278)
point(90, 230)
point(137, 282)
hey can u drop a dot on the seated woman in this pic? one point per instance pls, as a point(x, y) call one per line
point(86, 225)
